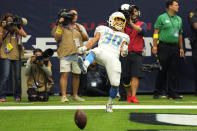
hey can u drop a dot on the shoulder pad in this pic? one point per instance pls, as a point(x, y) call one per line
point(101, 28)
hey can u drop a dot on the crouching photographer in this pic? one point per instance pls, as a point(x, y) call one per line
point(38, 71)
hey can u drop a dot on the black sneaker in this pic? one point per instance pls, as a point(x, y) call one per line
point(163, 96)
point(155, 96)
point(175, 97)
point(122, 99)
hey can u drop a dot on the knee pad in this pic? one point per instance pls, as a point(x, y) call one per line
point(126, 82)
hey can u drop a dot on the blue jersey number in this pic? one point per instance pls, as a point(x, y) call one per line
point(112, 39)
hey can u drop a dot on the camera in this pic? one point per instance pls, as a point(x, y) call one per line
point(126, 14)
point(128, 10)
point(151, 67)
point(39, 58)
point(45, 55)
point(20, 21)
point(68, 16)
point(17, 21)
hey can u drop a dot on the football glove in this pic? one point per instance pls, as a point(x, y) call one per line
point(82, 49)
point(124, 52)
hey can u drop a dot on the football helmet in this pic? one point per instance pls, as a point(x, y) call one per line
point(117, 20)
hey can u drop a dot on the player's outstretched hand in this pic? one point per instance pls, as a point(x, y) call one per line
point(82, 49)
point(124, 52)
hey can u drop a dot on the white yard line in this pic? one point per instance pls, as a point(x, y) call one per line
point(97, 107)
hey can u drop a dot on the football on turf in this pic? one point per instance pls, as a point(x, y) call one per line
point(80, 119)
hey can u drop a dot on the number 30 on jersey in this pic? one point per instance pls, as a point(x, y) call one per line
point(112, 39)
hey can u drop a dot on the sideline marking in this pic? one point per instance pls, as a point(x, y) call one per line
point(97, 107)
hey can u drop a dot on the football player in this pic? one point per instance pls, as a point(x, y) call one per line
point(111, 42)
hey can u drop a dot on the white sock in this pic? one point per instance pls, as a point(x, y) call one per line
point(86, 63)
point(110, 100)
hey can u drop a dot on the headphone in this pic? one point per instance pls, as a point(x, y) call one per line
point(137, 8)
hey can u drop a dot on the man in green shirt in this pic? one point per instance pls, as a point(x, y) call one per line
point(168, 30)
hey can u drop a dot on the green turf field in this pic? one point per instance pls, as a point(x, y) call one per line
point(98, 120)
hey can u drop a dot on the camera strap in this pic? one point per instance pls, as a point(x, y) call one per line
point(19, 40)
point(34, 77)
point(45, 84)
point(35, 82)
point(5, 35)
point(176, 30)
point(4, 38)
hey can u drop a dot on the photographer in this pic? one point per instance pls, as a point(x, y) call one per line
point(69, 36)
point(11, 51)
point(39, 81)
point(131, 64)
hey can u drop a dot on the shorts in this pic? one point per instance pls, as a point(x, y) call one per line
point(111, 63)
point(132, 65)
point(68, 66)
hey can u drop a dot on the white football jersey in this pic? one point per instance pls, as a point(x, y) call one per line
point(110, 40)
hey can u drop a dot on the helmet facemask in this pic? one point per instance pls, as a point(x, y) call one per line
point(118, 23)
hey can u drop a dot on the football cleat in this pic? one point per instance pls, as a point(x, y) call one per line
point(81, 65)
point(109, 107)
